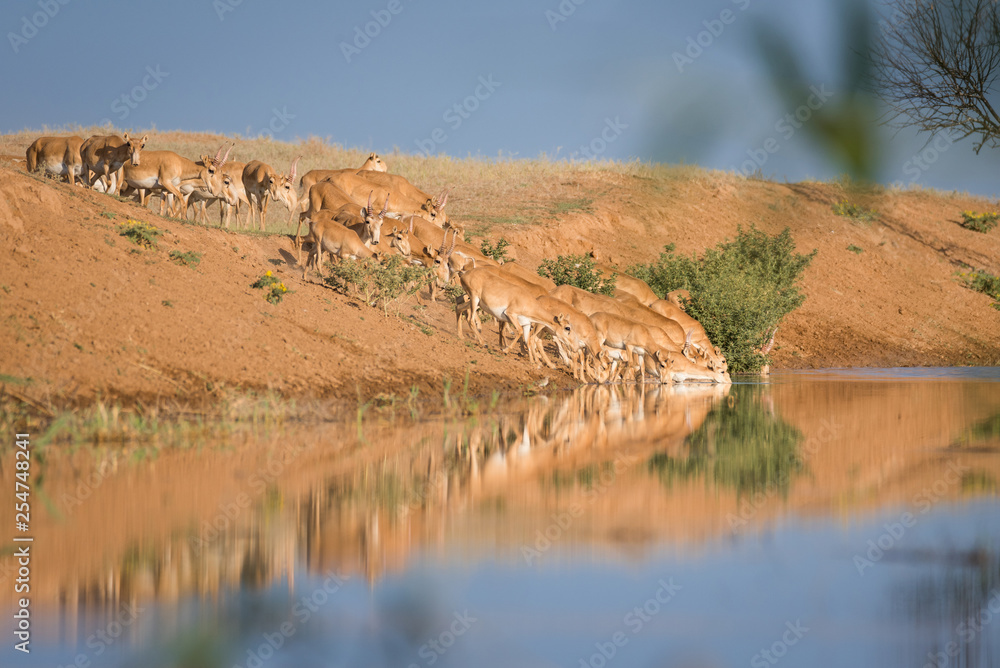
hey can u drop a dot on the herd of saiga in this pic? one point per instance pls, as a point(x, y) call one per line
point(601, 338)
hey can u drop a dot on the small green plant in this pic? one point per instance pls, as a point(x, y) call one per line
point(982, 281)
point(140, 233)
point(854, 211)
point(108, 215)
point(384, 284)
point(580, 271)
point(858, 250)
point(276, 290)
point(979, 222)
point(497, 251)
point(186, 259)
point(167, 303)
point(453, 291)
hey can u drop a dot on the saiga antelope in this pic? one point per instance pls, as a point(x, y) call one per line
point(56, 155)
point(263, 184)
point(105, 156)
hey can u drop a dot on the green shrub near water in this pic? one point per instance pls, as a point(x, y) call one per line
point(580, 271)
point(740, 290)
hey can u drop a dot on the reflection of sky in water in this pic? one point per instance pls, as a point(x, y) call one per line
point(982, 373)
point(734, 599)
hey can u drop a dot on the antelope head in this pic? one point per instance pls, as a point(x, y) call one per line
point(374, 163)
point(401, 239)
point(433, 209)
point(442, 268)
point(134, 147)
point(659, 364)
point(283, 187)
point(373, 220)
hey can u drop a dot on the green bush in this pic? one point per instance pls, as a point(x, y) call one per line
point(140, 233)
point(383, 284)
point(275, 289)
point(854, 211)
point(497, 251)
point(580, 271)
point(982, 281)
point(740, 290)
point(979, 222)
point(187, 259)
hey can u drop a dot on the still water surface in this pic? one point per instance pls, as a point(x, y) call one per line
point(827, 518)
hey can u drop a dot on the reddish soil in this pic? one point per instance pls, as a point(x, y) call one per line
point(85, 313)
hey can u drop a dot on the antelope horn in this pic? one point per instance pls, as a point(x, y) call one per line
point(443, 199)
point(218, 154)
point(454, 238)
point(369, 207)
point(443, 242)
point(385, 207)
point(410, 230)
point(687, 342)
point(226, 156)
point(294, 164)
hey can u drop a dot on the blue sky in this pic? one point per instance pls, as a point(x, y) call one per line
point(551, 76)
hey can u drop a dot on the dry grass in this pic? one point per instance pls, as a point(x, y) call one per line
point(484, 191)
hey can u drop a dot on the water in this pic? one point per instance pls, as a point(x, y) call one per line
point(829, 518)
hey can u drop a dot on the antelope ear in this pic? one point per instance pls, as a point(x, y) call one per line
point(125, 137)
point(144, 138)
point(364, 212)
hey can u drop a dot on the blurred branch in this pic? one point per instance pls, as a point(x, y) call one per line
point(936, 66)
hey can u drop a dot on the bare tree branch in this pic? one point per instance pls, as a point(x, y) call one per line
point(936, 66)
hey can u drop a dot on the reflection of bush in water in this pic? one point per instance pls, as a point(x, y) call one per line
point(983, 431)
point(740, 445)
